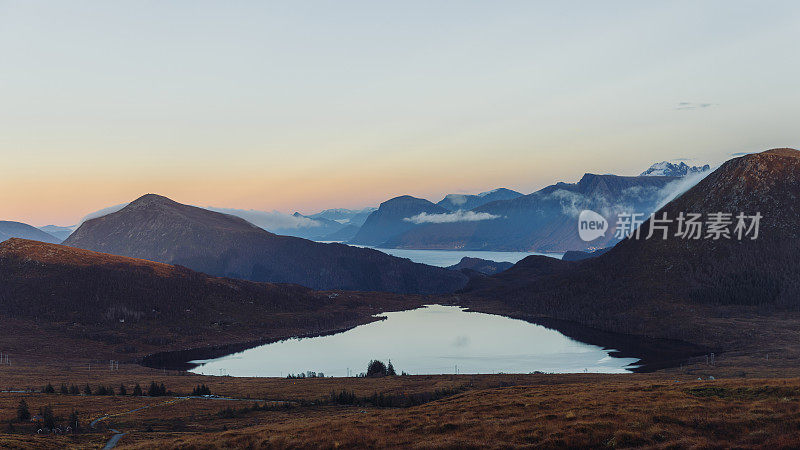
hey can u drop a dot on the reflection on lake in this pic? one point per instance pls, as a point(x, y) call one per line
point(431, 340)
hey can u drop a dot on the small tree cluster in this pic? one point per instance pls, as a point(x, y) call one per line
point(201, 389)
point(23, 413)
point(377, 368)
point(102, 390)
point(156, 390)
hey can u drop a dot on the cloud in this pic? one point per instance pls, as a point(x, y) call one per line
point(742, 153)
point(456, 199)
point(676, 188)
point(270, 220)
point(102, 212)
point(693, 105)
point(572, 203)
point(458, 216)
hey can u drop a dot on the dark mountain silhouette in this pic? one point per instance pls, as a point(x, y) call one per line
point(577, 255)
point(682, 288)
point(455, 202)
point(483, 266)
point(158, 229)
point(391, 219)
point(547, 220)
point(21, 230)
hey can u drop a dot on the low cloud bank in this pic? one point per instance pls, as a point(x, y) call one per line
point(675, 189)
point(270, 220)
point(458, 216)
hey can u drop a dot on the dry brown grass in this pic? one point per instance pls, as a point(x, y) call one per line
point(665, 410)
point(616, 413)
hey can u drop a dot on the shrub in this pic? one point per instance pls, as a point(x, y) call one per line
point(201, 389)
point(48, 418)
point(23, 413)
point(74, 422)
point(376, 368)
point(156, 390)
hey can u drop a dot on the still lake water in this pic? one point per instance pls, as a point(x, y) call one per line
point(430, 340)
point(445, 258)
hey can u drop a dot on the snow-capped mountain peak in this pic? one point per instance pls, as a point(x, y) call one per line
point(669, 169)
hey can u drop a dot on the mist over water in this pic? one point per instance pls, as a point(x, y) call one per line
point(431, 340)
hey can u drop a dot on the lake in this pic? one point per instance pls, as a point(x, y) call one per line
point(434, 339)
point(445, 258)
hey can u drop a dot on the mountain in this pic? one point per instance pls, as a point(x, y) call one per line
point(316, 227)
point(577, 255)
point(82, 302)
point(60, 233)
point(455, 202)
point(284, 224)
point(726, 293)
point(345, 216)
point(546, 220)
point(344, 234)
point(483, 266)
point(10, 230)
point(668, 169)
point(394, 217)
point(159, 229)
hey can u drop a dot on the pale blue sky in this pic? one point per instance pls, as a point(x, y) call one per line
point(306, 105)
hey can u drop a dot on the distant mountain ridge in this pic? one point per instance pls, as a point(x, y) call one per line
point(10, 229)
point(668, 169)
point(159, 229)
point(62, 233)
point(455, 202)
point(544, 221)
point(390, 219)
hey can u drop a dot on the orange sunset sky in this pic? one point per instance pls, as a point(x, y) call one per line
point(304, 106)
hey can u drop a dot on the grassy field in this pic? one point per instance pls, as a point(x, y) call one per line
point(671, 409)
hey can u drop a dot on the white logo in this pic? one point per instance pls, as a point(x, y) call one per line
point(591, 225)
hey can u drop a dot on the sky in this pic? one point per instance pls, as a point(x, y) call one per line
point(306, 105)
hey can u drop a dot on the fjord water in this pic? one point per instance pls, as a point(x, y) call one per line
point(446, 258)
point(430, 340)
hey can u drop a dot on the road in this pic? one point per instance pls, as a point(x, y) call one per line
point(118, 434)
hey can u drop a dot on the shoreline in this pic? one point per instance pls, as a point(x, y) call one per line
point(653, 353)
